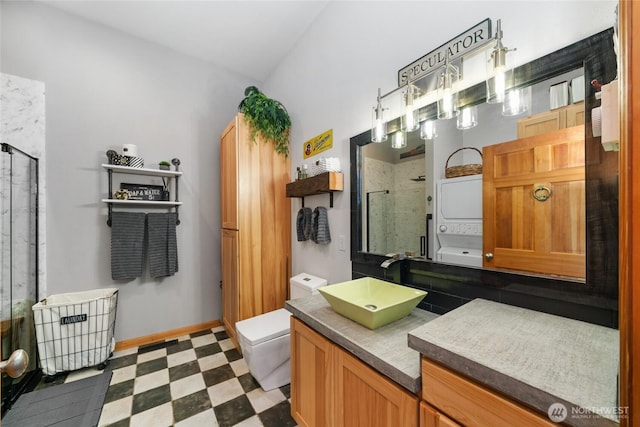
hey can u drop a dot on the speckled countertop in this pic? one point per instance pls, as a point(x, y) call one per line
point(384, 349)
point(536, 358)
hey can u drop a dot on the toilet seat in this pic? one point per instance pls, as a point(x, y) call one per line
point(264, 327)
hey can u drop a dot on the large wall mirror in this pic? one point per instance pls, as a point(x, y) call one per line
point(400, 197)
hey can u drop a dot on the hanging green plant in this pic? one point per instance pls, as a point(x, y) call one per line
point(266, 117)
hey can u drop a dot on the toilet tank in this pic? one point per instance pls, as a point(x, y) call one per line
point(304, 285)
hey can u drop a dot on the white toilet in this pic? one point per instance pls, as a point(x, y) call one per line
point(265, 339)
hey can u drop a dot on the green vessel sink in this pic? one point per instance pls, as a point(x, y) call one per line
point(371, 302)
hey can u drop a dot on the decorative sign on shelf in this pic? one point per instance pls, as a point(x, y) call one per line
point(154, 193)
point(318, 144)
point(458, 46)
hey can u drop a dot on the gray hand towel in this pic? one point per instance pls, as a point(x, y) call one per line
point(320, 228)
point(303, 224)
point(127, 245)
point(163, 246)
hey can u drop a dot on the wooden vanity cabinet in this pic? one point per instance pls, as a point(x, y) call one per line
point(256, 226)
point(431, 417)
point(560, 118)
point(330, 387)
point(467, 403)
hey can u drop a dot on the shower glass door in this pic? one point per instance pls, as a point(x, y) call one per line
point(19, 265)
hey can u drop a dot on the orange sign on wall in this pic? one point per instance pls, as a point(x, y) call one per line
point(318, 144)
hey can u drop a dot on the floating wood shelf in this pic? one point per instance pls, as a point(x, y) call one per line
point(327, 182)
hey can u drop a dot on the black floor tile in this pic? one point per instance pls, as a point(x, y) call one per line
point(208, 350)
point(184, 370)
point(278, 416)
point(151, 398)
point(218, 375)
point(234, 411)
point(156, 346)
point(233, 355)
point(248, 383)
point(190, 405)
point(222, 335)
point(154, 365)
point(118, 391)
point(121, 362)
point(180, 346)
point(286, 390)
point(200, 333)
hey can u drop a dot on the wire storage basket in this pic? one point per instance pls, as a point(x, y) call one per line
point(462, 170)
point(75, 330)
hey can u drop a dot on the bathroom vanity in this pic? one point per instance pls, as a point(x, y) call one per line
point(484, 363)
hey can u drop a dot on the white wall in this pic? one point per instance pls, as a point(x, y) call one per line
point(330, 78)
point(105, 89)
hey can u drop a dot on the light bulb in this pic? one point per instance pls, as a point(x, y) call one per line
point(399, 140)
point(379, 126)
point(409, 121)
point(428, 129)
point(499, 81)
point(468, 118)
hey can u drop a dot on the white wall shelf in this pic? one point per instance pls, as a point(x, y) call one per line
point(111, 169)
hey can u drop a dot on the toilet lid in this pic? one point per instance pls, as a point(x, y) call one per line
point(264, 327)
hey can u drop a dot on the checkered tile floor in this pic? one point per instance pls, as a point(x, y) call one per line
point(196, 380)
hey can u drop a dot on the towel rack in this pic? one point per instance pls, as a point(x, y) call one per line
point(111, 202)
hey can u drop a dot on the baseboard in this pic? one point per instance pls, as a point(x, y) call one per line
point(161, 336)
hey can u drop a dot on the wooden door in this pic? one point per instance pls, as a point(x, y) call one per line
point(311, 383)
point(229, 176)
point(230, 291)
point(366, 398)
point(431, 417)
point(522, 233)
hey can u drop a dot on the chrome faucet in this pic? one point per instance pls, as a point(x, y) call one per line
point(395, 258)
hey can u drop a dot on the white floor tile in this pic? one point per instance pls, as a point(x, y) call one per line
point(262, 400)
point(116, 411)
point(179, 358)
point(224, 391)
point(250, 422)
point(203, 419)
point(158, 416)
point(213, 361)
point(203, 340)
point(155, 354)
point(186, 386)
point(149, 381)
point(239, 367)
point(123, 374)
point(226, 344)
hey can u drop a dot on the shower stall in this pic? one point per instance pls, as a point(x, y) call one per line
point(20, 264)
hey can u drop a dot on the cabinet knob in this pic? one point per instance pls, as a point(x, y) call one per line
point(488, 256)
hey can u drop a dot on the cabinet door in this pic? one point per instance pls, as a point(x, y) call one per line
point(471, 404)
point(431, 417)
point(230, 282)
point(368, 399)
point(575, 114)
point(229, 176)
point(542, 123)
point(525, 233)
point(310, 376)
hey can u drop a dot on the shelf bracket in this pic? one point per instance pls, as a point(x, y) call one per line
point(330, 199)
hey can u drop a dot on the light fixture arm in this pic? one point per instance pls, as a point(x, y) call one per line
point(499, 53)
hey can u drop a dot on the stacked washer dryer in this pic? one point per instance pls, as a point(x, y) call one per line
point(459, 220)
